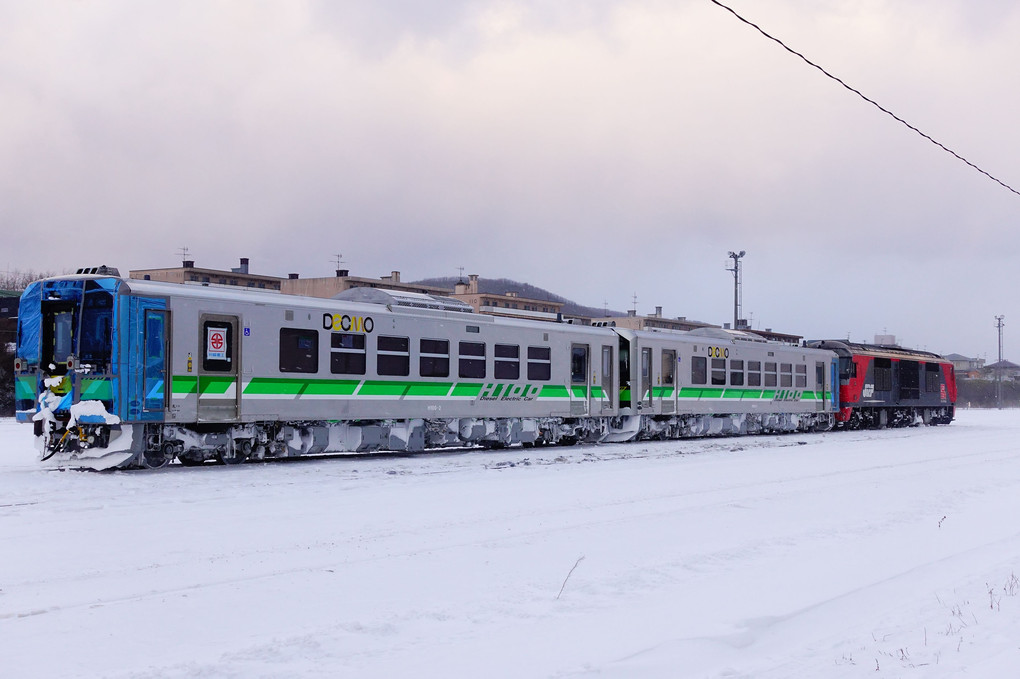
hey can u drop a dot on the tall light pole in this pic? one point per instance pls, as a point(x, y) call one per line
point(735, 256)
point(998, 368)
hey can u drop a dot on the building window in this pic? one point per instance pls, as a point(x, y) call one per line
point(299, 350)
point(393, 356)
point(434, 359)
point(347, 354)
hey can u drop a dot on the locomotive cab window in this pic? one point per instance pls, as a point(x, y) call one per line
point(434, 358)
point(472, 360)
point(508, 362)
point(931, 377)
point(347, 354)
point(299, 350)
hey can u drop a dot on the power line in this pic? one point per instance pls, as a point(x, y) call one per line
point(862, 96)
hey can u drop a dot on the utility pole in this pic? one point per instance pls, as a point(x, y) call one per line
point(735, 256)
point(998, 368)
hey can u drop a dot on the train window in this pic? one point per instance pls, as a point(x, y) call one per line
point(800, 380)
point(347, 354)
point(668, 366)
point(883, 374)
point(931, 377)
point(472, 360)
point(579, 364)
point(754, 373)
point(508, 362)
point(299, 350)
point(785, 374)
point(434, 359)
point(393, 356)
point(736, 372)
point(219, 346)
point(539, 363)
point(699, 370)
point(719, 371)
point(770, 375)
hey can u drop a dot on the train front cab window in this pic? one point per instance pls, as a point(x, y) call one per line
point(58, 335)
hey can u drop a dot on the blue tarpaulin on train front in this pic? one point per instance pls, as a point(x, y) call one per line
point(30, 323)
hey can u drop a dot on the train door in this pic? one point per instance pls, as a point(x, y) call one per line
point(580, 388)
point(820, 386)
point(607, 378)
point(219, 393)
point(625, 376)
point(645, 388)
point(147, 347)
point(667, 376)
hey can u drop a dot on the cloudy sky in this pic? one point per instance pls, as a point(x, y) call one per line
point(599, 148)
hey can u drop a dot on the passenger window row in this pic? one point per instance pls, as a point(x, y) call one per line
point(749, 373)
point(299, 352)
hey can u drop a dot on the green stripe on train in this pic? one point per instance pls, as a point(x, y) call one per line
point(214, 384)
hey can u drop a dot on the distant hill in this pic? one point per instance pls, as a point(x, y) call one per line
point(500, 286)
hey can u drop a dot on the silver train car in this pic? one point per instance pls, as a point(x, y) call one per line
point(117, 372)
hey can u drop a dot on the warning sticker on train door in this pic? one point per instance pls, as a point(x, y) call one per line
point(216, 344)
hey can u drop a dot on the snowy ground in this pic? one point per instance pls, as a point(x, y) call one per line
point(892, 553)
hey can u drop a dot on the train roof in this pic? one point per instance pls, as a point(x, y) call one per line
point(844, 347)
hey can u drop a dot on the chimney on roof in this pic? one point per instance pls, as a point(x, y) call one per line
point(292, 276)
point(461, 288)
point(395, 276)
point(473, 284)
point(658, 312)
point(342, 273)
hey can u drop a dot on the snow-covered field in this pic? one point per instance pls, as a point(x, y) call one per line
point(886, 553)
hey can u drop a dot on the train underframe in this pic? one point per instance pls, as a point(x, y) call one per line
point(880, 418)
point(156, 445)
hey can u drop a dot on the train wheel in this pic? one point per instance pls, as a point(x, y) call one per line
point(156, 459)
point(236, 454)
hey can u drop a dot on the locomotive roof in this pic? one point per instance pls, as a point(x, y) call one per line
point(879, 350)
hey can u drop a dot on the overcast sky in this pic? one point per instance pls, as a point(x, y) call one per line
point(599, 149)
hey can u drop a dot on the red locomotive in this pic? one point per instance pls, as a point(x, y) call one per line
point(887, 385)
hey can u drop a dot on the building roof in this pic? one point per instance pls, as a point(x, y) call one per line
point(1002, 365)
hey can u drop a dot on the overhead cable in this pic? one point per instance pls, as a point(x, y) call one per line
point(862, 96)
